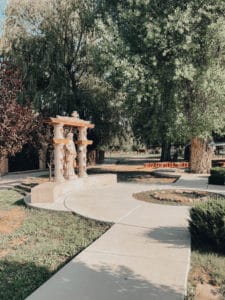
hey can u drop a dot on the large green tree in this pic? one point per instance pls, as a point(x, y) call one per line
point(56, 44)
point(176, 71)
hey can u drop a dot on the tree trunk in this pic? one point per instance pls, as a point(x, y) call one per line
point(201, 156)
point(91, 157)
point(4, 165)
point(43, 157)
point(165, 154)
point(100, 155)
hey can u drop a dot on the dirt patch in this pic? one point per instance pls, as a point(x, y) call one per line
point(200, 278)
point(12, 245)
point(179, 197)
point(207, 292)
point(10, 220)
point(3, 253)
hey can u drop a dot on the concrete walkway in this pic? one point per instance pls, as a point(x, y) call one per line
point(145, 255)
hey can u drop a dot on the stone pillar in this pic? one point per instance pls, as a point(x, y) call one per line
point(82, 152)
point(70, 155)
point(58, 153)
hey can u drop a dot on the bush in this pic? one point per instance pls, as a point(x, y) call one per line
point(217, 176)
point(207, 224)
point(216, 179)
point(217, 171)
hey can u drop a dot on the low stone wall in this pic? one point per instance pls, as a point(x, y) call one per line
point(49, 192)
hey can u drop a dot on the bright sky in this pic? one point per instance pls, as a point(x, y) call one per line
point(2, 9)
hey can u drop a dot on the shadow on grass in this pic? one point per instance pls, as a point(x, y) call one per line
point(18, 280)
point(19, 202)
point(101, 282)
point(205, 247)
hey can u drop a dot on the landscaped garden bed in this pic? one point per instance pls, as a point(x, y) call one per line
point(34, 244)
point(175, 197)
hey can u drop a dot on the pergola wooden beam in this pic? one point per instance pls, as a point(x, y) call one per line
point(79, 123)
point(88, 142)
point(60, 141)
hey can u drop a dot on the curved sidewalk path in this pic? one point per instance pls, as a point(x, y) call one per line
point(145, 255)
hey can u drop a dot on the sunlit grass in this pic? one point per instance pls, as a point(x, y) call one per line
point(39, 246)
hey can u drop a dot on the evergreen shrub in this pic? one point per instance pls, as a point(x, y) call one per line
point(207, 224)
point(217, 176)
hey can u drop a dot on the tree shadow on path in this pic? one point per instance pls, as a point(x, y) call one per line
point(177, 237)
point(101, 281)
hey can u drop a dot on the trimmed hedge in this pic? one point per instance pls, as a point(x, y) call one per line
point(207, 224)
point(217, 176)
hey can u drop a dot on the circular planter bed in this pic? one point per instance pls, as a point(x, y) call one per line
point(175, 197)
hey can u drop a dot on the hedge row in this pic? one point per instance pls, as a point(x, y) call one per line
point(217, 176)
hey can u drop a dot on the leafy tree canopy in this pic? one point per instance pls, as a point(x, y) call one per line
point(175, 75)
point(57, 45)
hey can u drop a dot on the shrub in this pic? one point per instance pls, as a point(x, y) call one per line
point(216, 179)
point(217, 176)
point(207, 224)
point(217, 171)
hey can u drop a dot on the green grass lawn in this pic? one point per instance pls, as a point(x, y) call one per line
point(34, 244)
